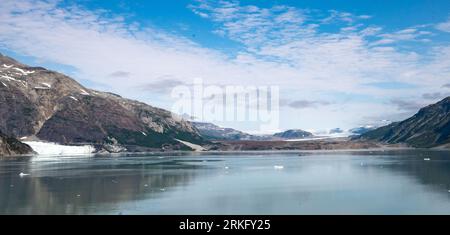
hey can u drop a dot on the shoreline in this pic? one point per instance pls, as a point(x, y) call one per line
point(225, 152)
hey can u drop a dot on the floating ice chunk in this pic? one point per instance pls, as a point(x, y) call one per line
point(427, 159)
point(163, 189)
point(278, 167)
point(23, 174)
point(227, 168)
point(145, 185)
point(144, 133)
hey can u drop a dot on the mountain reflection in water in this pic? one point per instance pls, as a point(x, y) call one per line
point(379, 182)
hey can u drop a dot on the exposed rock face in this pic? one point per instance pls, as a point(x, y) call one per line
point(38, 102)
point(293, 134)
point(430, 127)
point(11, 146)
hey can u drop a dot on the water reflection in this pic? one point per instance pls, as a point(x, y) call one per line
point(82, 186)
point(395, 182)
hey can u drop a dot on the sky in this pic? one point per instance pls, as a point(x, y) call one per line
point(337, 63)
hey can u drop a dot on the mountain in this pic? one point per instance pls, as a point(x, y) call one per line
point(361, 130)
point(11, 146)
point(213, 132)
point(430, 127)
point(293, 134)
point(36, 102)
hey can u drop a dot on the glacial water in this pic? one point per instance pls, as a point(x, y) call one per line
point(379, 182)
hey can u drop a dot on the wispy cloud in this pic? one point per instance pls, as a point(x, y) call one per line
point(119, 74)
point(435, 95)
point(281, 45)
point(406, 105)
point(409, 34)
point(302, 104)
point(444, 26)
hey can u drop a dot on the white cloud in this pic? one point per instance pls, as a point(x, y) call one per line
point(282, 46)
point(444, 26)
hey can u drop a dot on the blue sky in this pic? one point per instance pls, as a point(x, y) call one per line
point(337, 63)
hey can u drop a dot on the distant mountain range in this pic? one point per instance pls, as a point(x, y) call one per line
point(39, 103)
point(213, 132)
point(430, 127)
point(361, 130)
point(293, 134)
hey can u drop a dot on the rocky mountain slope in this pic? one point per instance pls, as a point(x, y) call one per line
point(10, 146)
point(214, 132)
point(293, 134)
point(430, 127)
point(361, 130)
point(49, 105)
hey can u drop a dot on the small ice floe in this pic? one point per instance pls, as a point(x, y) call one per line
point(163, 189)
point(145, 185)
point(23, 174)
point(362, 164)
point(78, 195)
point(144, 133)
point(427, 159)
point(227, 168)
point(278, 167)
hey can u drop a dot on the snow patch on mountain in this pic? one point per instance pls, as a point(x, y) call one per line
point(24, 72)
point(83, 92)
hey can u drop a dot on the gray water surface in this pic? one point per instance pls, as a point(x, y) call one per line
point(384, 182)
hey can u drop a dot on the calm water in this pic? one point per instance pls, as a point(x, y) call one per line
point(398, 182)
